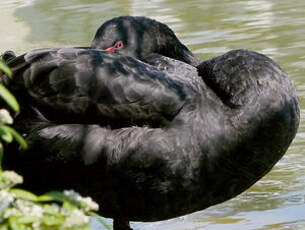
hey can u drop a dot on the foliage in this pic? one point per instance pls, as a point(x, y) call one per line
point(7, 134)
point(23, 210)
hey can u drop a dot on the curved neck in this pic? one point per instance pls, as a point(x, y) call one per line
point(182, 53)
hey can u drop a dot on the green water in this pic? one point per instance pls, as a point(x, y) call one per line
point(273, 27)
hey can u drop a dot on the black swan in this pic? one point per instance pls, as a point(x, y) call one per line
point(147, 136)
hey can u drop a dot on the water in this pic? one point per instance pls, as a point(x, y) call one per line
point(273, 27)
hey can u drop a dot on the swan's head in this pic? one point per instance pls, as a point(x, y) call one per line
point(140, 37)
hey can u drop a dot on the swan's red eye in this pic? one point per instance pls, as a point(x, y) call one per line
point(119, 45)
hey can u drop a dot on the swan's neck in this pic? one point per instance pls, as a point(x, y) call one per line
point(170, 46)
point(180, 52)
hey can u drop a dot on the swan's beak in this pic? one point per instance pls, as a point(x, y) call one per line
point(110, 49)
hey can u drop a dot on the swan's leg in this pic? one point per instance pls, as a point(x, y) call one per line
point(121, 224)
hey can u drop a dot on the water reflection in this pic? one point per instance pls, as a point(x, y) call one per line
point(68, 22)
point(209, 28)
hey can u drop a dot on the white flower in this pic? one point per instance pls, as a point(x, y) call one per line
point(11, 177)
point(9, 212)
point(76, 219)
point(29, 208)
point(86, 201)
point(72, 194)
point(90, 204)
point(55, 207)
point(36, 225)
point(36, 211)
point(6, 197)
point(5, 117)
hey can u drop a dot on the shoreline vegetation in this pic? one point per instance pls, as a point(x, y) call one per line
point(22, 210)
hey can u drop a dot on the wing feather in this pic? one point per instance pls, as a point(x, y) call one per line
point(91, 86)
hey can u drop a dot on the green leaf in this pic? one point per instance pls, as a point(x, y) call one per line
point(52, 196)
point(51, 210)
point(46, 198)
point(83, 228)
point(9, 98)
point(70, 205)
point(14, 225)
point(27, 219)
point(16, 135)
point(4, 68)
point(20, 193)
point(3, 226)
point(52, 221)
point(57, 196)
point(5, 134)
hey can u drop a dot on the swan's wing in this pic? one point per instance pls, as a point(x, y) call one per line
point(84, 92)
point(74, 85)
point(175, 68)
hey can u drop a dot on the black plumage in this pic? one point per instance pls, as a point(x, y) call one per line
point(147, 136)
